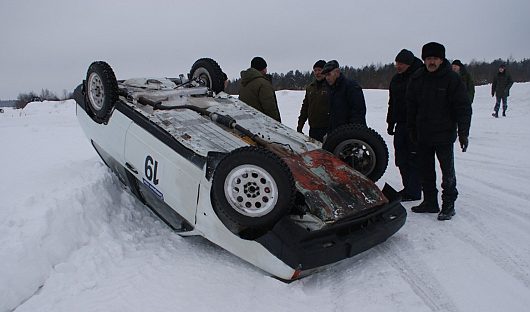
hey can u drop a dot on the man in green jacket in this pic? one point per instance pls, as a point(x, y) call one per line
point(315, 107)
point(256, 89)
point(459, 68)
point(502, 82)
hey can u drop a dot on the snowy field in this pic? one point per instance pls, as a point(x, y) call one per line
point(73, 239)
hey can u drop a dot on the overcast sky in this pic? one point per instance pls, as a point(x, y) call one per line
point(50, 44)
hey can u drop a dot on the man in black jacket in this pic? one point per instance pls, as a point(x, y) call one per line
point(346, 98)
point(396, 118)
point(437, 109)
point(502, 82)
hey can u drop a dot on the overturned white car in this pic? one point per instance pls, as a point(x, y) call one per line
point(210, 165)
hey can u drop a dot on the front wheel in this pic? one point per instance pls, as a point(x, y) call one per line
point(252, 188)
point(360, 147)
point(101, 91)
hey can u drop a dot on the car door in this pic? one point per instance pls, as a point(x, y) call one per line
point(172, 180)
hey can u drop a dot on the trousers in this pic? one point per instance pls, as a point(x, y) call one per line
point(445, 155)
point(504, 100)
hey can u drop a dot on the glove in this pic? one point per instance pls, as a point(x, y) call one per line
point(464, 142)
point(493, 94)
point(299, 128)
point(390, 129)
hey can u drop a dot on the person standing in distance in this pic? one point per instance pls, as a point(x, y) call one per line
point(346, 98)
point(256, 89)
point(404, 150)
point(502, 82)
point(315, 107)
point(437, 109)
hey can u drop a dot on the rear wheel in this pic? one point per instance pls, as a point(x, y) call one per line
point(209, 73)
point(360, 147)
point(252, 189)
point(101, 91)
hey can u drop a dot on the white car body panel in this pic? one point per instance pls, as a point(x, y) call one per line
point(112, 144)
point(170, 176)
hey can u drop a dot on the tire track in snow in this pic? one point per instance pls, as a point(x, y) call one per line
point(494, 168)
point(498, 187)
point(504, 216)
point(403, 258)
point(496, 208)
point(507, 258)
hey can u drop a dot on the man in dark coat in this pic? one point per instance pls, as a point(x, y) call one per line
point(459, 68)
point(502, 82)
point(437, 109)
point(256, 89)
point(396, 118)
point(346, 98)
point(315, 107)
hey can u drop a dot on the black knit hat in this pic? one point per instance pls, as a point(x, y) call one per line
point(502, 65)
point(331, 65)
point(433, 49)
point(405, 56)
point(458, 63)
point(319, 64)
point(258, 63)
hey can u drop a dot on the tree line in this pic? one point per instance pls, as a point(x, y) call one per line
point(379, 76)
point(369, 77)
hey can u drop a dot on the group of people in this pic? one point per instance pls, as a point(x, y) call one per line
point(331, 100)
point(429, 107)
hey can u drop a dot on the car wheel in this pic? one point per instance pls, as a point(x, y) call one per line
point(360, 147)
point(209, 73)
point(101, 91)
point(252, 188)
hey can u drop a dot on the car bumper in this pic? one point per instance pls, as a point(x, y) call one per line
point(304, 251)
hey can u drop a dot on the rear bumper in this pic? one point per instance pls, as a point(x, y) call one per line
point(303, 250)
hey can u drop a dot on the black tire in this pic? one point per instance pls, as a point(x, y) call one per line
point(360, 147)
point(252, 188)
point(101, 91)
point(210, 74)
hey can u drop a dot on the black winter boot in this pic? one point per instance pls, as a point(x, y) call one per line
point(406, 197)
point(448, 211)
point(427, 206)
point(495, 114)
point(504, 113)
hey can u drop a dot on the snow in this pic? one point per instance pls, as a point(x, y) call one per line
point(73, 239)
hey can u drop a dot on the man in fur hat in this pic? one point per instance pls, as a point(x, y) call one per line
point(438, 109)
